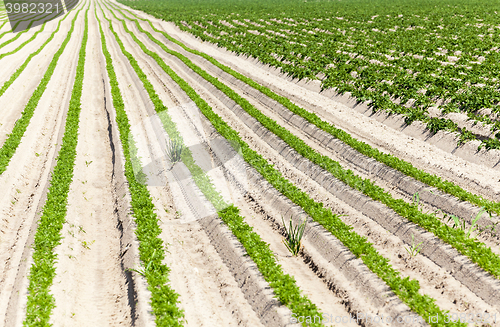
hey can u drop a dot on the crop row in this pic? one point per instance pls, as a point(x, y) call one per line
point(475, 250)
point(353, 55)
point(14, 139)
point(283, 285)
point(363, 148)
point(164, 300)
point(48, 233)
point(406, 289)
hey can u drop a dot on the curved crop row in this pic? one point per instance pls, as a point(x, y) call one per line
point(48, 234)
point(24, 43)
point(21, 33)
point(164, 300)
point(283, 285)
point(9, 147)
point(475, 250)
point(406, 289)
point(351, 53)
point(363, 148)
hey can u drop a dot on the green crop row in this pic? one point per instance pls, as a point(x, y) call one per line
point(364, 148)
point(48, 234)
point(378, 51)
point(473, 249)
point(14, 138)
point(164, 300)
point(24, 43)
point(18, 35)
point(284, 285)
point(405, 288)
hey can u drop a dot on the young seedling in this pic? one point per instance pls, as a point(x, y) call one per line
point(415, 248)
point(174, 150)
point(293, 236)
point(416, 199)
point(145, 270)
point(461, 224)
point(87, 163)
point(87, 245)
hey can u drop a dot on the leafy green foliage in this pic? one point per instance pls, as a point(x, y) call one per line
point(405, 288)
point(48, 234)
point(284, 286)
point(10, 145)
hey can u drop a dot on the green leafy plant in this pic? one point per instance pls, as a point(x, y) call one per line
point(144, 270)
point(405, 288)
point(293, 236)
point(48, 234)
point(416, 199)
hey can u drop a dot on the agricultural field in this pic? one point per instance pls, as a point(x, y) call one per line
point(251, 163)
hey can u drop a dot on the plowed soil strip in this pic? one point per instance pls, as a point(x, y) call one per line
point(90, 286)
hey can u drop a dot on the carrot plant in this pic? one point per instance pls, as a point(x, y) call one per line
point(48, 234)
point(406, 289)
point(283, 285)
